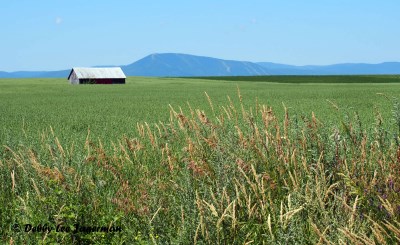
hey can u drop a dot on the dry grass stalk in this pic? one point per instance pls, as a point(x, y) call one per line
point(228, 113)
point(295, 183)
point(59, 146)
point(78, 185)
point(291, 213)
point(52, 131)
point(240, 134)
point(321, 235)
point(232, 107)
point(354, 238)
point(394, 229)
point(51, 151)
point(17, 158)
point(239, 95)
point(353, 213)
point(36, 188)
point(202, 117)
point(202, 225)
point(13, 181)
point(169, 157)
point(159, 130)
point(330, 191)
point(210, 102)
point(286, 122)
point(270, 226)
point(228, 209)
point(377, 231)
point(190, 109)
point(154, 215)
point(334, 105)
point(387, 205)
point(140, 129)
point(153, 139)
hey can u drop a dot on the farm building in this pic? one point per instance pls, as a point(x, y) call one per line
point(109, 75)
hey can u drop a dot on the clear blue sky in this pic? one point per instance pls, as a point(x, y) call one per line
point(59, 34)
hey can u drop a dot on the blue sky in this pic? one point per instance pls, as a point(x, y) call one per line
point(59, 34)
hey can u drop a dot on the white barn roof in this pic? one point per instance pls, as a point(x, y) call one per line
point(106, 72)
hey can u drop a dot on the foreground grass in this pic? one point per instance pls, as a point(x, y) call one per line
point(235, 174)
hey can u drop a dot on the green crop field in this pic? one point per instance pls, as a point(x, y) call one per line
point(280, 159)
point(29, 106)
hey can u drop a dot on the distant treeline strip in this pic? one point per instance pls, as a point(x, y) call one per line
point(310, 79)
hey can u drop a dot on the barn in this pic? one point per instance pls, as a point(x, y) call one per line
point(104, 75)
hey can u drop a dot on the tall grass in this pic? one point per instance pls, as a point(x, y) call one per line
point(238, 175)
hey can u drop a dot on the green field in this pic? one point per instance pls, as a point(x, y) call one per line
point(29, 106)
point(222, 160)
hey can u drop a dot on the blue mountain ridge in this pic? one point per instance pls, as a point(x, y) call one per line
point(183, 65)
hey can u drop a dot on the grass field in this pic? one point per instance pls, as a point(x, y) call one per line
point(32, 105)
point(272, 159)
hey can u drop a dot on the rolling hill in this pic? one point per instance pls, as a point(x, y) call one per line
point(174, 65)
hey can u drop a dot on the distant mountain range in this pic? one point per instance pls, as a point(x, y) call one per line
point(183, 65)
